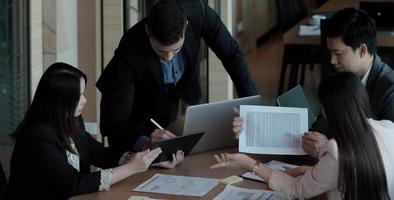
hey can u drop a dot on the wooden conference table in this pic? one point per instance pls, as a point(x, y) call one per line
point(194, 165)
point(384, 39)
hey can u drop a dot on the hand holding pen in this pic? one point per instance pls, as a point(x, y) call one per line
point(160, 133)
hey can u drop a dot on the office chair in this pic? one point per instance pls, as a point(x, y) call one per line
point(3, 183)
point(320, 2)
point(290, 12)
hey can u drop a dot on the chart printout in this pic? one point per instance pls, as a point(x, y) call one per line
point(272, 130)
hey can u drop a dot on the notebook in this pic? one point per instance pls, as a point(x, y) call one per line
point(296, 98)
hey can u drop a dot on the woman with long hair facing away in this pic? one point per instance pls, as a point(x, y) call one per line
point(53, 153)
point(356, 163)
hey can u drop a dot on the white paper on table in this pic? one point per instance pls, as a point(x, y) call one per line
point(309, 30)
point(282, 166)
point(274, 164)
point(141, 198)
point(177, 185)
point(231, 192)
point(272, 130)
point(251, 176)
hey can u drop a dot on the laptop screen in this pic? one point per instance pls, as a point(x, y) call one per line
point(215, 119)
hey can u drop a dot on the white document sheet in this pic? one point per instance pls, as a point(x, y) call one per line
point(309, 30)
point(141, 198)
point(177, 185)
point(274, 164)
point(273, 130)
point(231, 192)
point(251, 176)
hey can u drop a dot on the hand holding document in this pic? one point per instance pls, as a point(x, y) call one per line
point(273, 130)
point(312, 142)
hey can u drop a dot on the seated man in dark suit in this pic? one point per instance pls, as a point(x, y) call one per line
point(351, 40)
point(156, 64)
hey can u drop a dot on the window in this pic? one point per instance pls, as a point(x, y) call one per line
point(14, 71)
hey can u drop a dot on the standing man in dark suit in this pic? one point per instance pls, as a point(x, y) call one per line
point(351, 40)
point(156, 64)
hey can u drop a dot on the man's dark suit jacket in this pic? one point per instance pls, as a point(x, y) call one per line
point(132, 84)
point(380, 88)
point(40, 170)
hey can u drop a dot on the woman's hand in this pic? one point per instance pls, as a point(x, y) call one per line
point(141, 161)
point(177, 158)
point(312, 142)
point(237, 123)
point(237, 160)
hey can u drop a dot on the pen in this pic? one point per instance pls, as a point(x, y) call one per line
point(156, 124)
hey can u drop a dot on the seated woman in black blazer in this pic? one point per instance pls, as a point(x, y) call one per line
point(53, 153)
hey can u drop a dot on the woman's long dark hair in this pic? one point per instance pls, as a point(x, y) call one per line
point(55, 102)
point(346, 105)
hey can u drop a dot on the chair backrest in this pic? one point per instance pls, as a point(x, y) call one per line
point(3, 183)
point(290, 12)
point(320, 2)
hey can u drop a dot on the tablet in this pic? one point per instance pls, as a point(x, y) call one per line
point(172, 145)
point(297, 98)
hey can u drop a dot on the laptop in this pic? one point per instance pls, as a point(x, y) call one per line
point(215, 119)
point(296, 98)
point(382, 12)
